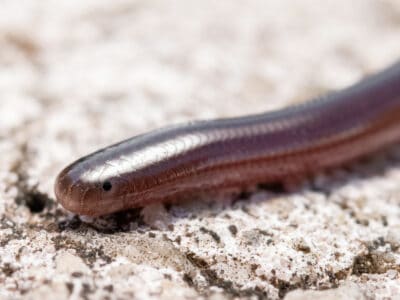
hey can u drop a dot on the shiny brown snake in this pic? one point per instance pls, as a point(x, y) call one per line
point(205, 156)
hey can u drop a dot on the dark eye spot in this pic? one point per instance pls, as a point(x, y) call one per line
point(107, 186)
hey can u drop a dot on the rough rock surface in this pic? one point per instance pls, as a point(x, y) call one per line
point(78, 75)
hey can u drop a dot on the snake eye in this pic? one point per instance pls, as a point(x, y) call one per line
point(107, 186)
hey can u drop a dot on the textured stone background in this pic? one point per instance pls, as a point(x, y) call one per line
point(78, 75)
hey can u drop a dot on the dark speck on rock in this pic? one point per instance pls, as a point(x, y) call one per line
point(233, 229)
point(213, 234)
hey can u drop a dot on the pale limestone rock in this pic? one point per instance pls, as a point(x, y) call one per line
point(69, 263)
point(48, 292)
point(348, 291)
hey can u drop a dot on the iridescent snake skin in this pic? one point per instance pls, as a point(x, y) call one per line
point(205, 156)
